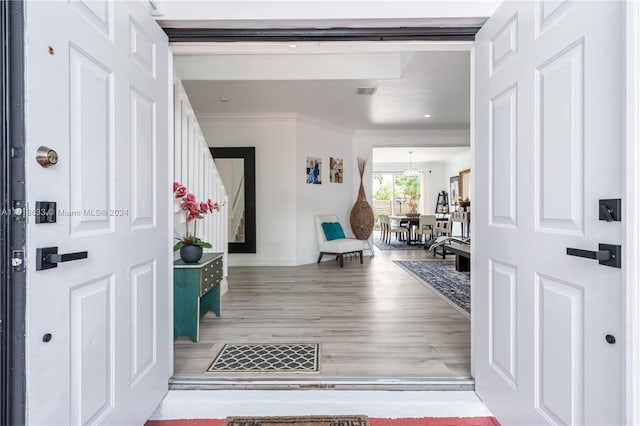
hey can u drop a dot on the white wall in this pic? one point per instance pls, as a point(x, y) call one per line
point(285, 203)
point(320, 140)
point(274, 137)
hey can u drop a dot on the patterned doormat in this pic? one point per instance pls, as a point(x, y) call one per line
point(441, 276)
point(298, 421)
point(268, 358)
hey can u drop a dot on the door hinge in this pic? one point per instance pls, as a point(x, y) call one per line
point(17, 260)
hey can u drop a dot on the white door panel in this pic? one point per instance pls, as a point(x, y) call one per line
point(548, 146)
point(97, 93)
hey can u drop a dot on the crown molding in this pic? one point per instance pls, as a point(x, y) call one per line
point(322, 123)
point(249, 116)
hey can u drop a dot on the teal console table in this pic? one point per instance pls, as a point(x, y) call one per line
point(196, 289)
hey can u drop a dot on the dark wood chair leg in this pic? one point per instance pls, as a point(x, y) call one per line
point(341, 260)
point(361, 257)
point(320, 258)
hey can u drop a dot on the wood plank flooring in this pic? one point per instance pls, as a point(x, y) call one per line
point(372, 320)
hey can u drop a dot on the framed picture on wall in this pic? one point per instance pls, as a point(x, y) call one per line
point(336, 169)
point(453, 190)
point(314, 170)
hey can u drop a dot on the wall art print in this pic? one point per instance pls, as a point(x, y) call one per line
point(453, 190)
point(336, 169)
point(314, 170)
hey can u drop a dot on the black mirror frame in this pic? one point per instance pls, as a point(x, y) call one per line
point(248, 153)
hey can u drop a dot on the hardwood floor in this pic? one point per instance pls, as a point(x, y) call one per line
point(372, 320)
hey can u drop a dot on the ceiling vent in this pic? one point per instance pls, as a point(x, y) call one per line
point(366, 91)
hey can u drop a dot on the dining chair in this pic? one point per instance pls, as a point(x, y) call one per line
point(443, 227)
point(384, 226)
point(426, 225)
point(397, 229)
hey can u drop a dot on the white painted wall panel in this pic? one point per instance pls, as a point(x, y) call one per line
point(505, 44)
point(560, 358)
point(142, 48)
point(143, 148)
point(91, 133)
point(503, 143)
point(97, 13)
point(92, 346)
point(143, 320)
point(502, 330)
point(560, 142)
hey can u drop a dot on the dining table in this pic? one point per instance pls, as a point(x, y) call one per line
point(411, 223)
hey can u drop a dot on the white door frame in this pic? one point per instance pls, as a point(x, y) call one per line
point(631, 238)
point(631, 244)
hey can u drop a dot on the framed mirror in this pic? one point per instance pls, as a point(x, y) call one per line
point(465, 184)
point(237, 169)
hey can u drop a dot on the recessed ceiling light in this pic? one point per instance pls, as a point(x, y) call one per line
point(427, 115)
point(293, 46)
point(223, 99)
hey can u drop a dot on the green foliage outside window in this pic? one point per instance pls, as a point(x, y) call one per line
point(406, 187)
point(401, 193)
point(382, 188)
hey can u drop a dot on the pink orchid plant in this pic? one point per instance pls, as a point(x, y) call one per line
point(194, 210)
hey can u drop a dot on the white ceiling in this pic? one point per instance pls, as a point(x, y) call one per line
point(409, 85)
point(419, 155)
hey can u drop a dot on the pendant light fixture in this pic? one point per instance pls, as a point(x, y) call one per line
point(411, 172)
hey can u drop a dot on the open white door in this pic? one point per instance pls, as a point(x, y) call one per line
point(548, 145)
point(98, 334)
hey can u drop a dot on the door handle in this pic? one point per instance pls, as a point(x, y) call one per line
point(48, 257)
point(57, 258)
point(599, 255)
point(607, 254)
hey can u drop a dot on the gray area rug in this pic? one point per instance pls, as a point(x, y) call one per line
point(267, 358)
point(394, 244)
point(441, 276)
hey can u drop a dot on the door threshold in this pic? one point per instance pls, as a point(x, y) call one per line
point(204, 382)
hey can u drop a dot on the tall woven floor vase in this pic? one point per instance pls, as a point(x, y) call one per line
point(361, 218)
